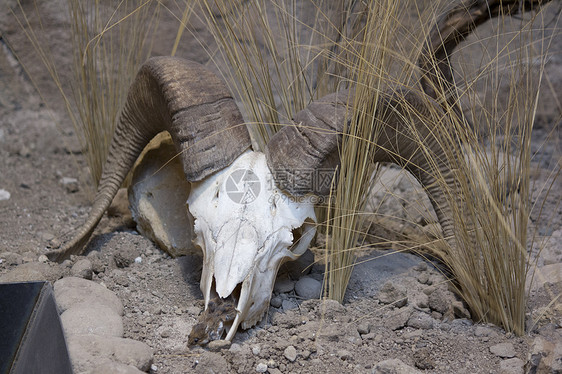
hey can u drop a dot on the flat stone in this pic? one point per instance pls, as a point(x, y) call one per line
point(82, 269)
point(70, 184)
point(276, 302)
point(439, 300)
point(87, 351)
point(393, 366)
point(419, 320)
point(31, 271)
point(218, 345)
point(261, 367)
point(4, 195)
point(95, 319)
point(71, 291)
point(391, 293)
point(115, 368)
point(397, 320)
point(289, 304)
point(544, 356)
point(283, 285)
point(290, 353)
point(504, 350)
point(11, 258)
point(308, 288)
point(512, 366)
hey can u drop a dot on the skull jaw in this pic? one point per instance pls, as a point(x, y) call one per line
point(253, 294)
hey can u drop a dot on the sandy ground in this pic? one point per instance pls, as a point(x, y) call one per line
point(39, 149)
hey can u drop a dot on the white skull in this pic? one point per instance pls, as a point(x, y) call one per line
point(246, 228)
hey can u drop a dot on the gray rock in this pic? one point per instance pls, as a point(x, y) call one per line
point(96, 319)
point(276, 302)
point(393, 366)
point(397, 320)
point(70, 184)
point(31, 271)
point(419, 320)
point(308, 288)
point(544, 357)
point(289, 304)
point(71, 291)
point(512, 366)
point(363, 328)
point(218, 345)
point(82, 269)
point(261, 367)
point(10, 258)
point(484, 331)
point(391, 293)
point(87, 351)
point(440, 300)
point(115, 368)
point(283, 285)
point(4, 195)
point(504, 350)
point(290, 353)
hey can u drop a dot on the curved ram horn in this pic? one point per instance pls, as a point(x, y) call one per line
point(451, 29)
point(313, 145)
point(188, 101)
point(313, 142)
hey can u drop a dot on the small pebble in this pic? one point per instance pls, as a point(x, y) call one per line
point(276, 302)
point(256, 350)
point(153, 368)
point(70, 184)
point(261, 367)
point(4, 195)
point(503, 350)
point(308, 288)
point(290, 353)
point(138, 260)
point(43, 259)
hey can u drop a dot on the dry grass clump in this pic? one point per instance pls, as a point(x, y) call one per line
point(487, 258)
point(109, 44)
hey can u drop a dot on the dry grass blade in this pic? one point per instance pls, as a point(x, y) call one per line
point(490, 261)
point(369, 72)
point(103, 69)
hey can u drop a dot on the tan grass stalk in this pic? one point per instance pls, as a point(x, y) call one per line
point(490, 262)
point(370, 78)
point(109, 46)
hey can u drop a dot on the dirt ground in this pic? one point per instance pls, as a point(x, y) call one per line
point(41, 203)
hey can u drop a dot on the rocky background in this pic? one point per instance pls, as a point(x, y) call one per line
point(127, 307)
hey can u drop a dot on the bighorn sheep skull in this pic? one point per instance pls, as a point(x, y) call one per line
point(211, 140)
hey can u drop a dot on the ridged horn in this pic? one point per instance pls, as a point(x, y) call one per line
point(451, 29)
point(193, 105)
point(313, 143)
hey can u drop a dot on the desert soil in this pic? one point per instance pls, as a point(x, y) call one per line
point(398, 306)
